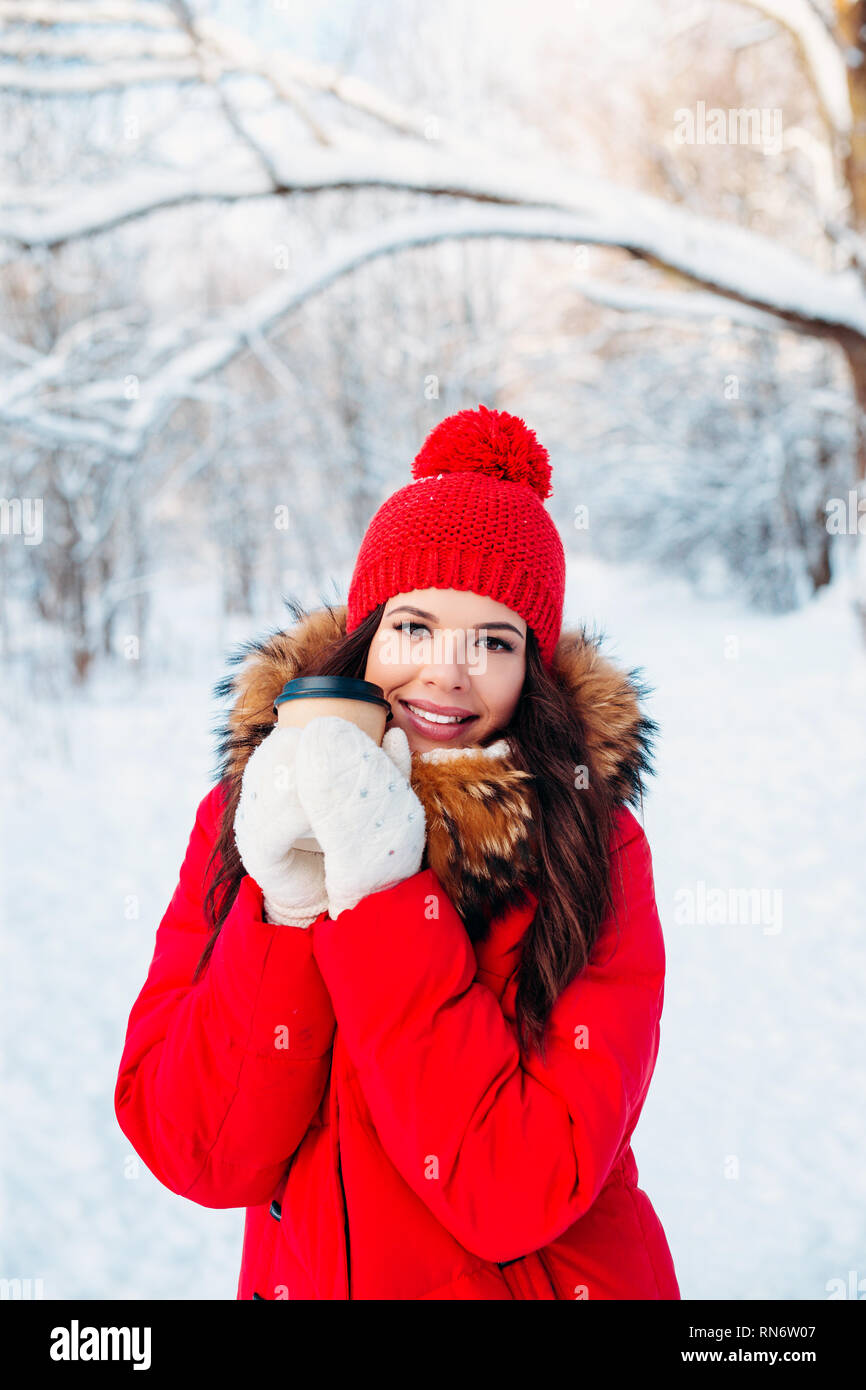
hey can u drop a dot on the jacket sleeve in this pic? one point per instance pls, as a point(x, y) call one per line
point(218, 1080)
point(506, 1151)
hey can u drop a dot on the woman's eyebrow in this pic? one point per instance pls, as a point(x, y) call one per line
point(419, 612)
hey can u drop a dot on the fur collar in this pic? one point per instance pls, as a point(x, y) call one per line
point(479, 807)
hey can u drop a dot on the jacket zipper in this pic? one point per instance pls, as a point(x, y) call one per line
point(543, 1262)
point(339, 1165)
point(524, 1274)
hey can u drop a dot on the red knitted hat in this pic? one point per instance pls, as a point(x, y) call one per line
point(472, 518)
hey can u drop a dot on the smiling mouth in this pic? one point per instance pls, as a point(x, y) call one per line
point(438, 721)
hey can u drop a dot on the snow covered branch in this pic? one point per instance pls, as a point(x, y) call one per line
point(556, 203)
point(695, 304)
point(147, 13)
point(489, 193)
point(787, 289)
point(821, 56)
point(202, 49)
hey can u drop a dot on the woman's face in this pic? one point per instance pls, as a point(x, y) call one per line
point(449, 651)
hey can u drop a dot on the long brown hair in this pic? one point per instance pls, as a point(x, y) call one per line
point(572, 823)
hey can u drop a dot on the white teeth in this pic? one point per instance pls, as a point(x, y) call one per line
point(436, 718)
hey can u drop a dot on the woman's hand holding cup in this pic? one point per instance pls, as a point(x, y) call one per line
point(268, 822)
point(362, 808)
point(327, 812)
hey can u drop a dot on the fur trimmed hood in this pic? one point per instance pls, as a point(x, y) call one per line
point(480, 808)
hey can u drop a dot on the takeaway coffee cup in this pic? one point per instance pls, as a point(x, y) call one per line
point(312, 697)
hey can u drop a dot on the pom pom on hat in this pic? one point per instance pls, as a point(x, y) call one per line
point(486, 441)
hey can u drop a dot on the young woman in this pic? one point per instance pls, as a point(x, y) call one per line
point(418, 1057)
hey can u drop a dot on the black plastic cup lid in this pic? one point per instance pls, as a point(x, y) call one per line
point(332, 688)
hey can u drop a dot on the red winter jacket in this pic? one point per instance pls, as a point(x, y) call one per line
point(359, 1088)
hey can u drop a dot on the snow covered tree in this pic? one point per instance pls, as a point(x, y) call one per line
point(193, 138)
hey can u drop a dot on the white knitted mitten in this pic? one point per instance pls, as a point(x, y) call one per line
point(268, 820)
point(362, 808)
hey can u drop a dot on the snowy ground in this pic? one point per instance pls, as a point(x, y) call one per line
point(751, 1140)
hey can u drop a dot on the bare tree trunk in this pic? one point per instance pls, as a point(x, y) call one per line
point(851, 33)
point(855, 351)
point(105, 568)
point(82, 648)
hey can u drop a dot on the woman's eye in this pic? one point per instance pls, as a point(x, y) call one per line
point(502, 646)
